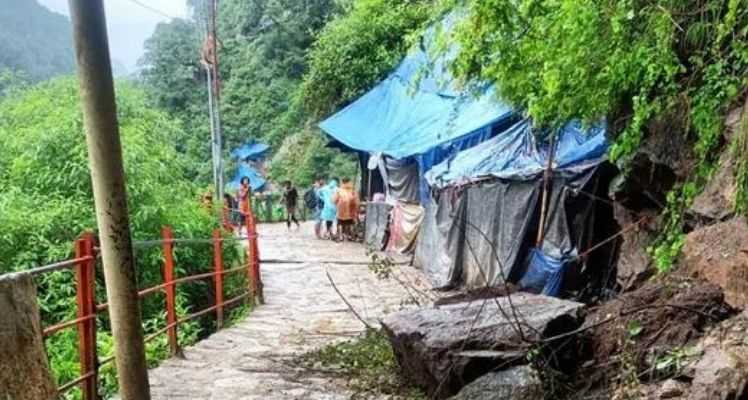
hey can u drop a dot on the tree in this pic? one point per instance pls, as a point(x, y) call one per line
point(176, 82)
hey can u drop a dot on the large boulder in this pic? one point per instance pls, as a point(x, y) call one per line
point(517, 383)
point(719, 254)
point(442, 349)
point(24, 370)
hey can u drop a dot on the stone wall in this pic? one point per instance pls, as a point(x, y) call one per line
point(24, 369)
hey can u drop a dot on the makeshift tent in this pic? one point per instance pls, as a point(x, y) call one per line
point(421, 112)
point(256, 181)
point(251, 151)
point(481, 227)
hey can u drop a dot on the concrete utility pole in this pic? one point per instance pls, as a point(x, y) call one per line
point(216, 89)
point(108, 177)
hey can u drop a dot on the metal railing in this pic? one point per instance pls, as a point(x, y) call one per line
point(84, 266)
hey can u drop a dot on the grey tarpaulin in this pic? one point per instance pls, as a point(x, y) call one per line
point(498, 218)
point(483, 233)
point(403, 179)
point(440, 243)
point(377, 218)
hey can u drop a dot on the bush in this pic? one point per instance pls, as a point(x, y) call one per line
point(46, 203)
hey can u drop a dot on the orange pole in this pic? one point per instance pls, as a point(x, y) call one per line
point(171, 313)
point(218, 266)
point(85, 282)
point(248, 223)
point(256, 264)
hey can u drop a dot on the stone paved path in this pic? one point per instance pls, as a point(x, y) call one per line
point(255, 358)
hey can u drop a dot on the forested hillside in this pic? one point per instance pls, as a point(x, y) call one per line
point(36, 43)
point(285, 65)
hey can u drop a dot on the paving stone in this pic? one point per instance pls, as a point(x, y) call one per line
point(251, 359)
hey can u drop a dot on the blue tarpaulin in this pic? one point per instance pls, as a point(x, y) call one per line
point(256, 181)
point(516, 154)
point(545, 274)
point(420, 111)
point(251, 151)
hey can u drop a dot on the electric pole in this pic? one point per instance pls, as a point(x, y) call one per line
point(214, 95)
point(110, 194)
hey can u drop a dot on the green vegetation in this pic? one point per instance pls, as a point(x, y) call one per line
point(34, 41)
point(368, 364)
point(284, 66)
point(46, 202)
point(632, 61)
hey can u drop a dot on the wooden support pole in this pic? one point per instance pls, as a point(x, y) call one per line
point(218, 267)
point(547, 176)
point(84, 279)
point(171, 290)
point(110, 195)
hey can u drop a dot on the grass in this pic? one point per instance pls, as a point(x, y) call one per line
point(369, 365)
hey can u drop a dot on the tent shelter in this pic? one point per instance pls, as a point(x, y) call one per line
point(251, 151)
point(481, 228)
point(250, 158)
point(415, 118)
point(256, 181)
point(419, 115)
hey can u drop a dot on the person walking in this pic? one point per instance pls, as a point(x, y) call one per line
point(244, 198)
point(314, 203)
point(346, 201)
point(290, 200)
point(329, 210)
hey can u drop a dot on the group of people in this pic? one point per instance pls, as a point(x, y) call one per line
point(335, 209)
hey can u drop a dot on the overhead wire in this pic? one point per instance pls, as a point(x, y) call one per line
point(152, 9)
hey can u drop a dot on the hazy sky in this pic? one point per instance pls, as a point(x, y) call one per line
point(129, 23)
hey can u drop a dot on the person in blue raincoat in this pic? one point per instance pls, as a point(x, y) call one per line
point(329, 210)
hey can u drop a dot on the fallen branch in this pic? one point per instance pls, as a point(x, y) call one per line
point(350, 307)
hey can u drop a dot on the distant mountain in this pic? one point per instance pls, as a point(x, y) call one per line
point(34, 40)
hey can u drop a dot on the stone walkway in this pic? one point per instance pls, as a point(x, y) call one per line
point(255, 358)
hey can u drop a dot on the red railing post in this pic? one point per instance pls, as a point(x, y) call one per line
point(256, 263)
point(252, 254)
point(218, 266)
point(171, 313)
point(85, 281)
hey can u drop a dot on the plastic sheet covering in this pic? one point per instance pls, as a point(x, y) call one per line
point(256, 181)
point(251, 151)
point(402, 179)
point(544, 274)
point(418, 107)
point(498, 217)
point(440, 242)
point(482, 234)
point(404, 226)
point(516, 154)
point(377, 218)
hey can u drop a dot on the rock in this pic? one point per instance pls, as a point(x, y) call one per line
point(671, 389)
point(722, 371)
point(442, 349)
point(518, 383)
point(662, 315)
point(24, 370)
point(717, 201)
point(719, 254)
point(634, 263)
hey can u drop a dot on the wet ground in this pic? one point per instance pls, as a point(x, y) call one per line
point(256, 358)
